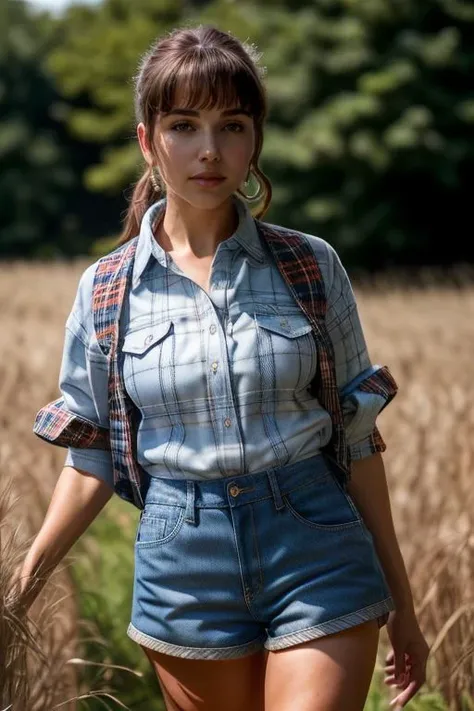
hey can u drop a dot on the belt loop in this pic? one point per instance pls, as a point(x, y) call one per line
point(279, 503)
point(190, 513)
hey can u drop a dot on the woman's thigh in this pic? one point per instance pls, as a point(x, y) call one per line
point(327, 674)
point(211, 685)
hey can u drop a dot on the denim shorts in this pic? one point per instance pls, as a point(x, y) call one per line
point(229, 566)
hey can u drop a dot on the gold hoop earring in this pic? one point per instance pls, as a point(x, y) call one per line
point(154, 180)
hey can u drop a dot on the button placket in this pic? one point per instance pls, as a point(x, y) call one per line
point(218, 277)
point(230, 452)
point(228, 437)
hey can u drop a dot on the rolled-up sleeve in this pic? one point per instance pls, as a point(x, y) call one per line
point(83, 385)
point(365, 389)
point(79, 419)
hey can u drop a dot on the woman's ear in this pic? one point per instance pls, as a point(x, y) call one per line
point(143, 142)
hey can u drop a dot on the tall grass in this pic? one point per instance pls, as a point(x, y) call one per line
point(423, 332)
point(40, 669)
point(35, 648)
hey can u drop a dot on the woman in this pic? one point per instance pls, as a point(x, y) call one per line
point(262, 573)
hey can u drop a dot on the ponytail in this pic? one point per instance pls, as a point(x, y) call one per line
point(144, 195)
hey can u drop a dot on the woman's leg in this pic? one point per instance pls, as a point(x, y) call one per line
point(217, 685)
point(327, 674)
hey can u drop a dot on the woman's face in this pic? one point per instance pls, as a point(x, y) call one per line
point(203, 156)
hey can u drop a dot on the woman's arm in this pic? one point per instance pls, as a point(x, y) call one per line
point(365, 390)
point(405, 663)
point(368, 487)
point(77, 499)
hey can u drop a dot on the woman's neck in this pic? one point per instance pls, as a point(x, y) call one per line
point(185, 229)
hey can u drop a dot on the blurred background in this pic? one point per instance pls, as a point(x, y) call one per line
point(369, 144)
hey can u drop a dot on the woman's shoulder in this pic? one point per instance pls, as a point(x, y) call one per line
point(80, 317)
point(105, 262)
point(325, 254)
point(79, 320)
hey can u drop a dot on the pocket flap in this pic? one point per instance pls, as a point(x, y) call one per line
point(139, 341)
point(290, 325)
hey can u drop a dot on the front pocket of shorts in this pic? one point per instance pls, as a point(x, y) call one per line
point(324, 505)
point(159, 523)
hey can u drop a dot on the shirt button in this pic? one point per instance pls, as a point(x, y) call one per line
point(213, 328)
point(227, 422)
point(214, 366)
point(284, 323)
point(234, 491)
point(148, 339)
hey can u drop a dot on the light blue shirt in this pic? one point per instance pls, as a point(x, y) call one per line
point(220, 380)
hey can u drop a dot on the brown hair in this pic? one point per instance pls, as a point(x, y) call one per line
point(215, 70)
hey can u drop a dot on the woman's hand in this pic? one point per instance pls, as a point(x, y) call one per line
point(19, 595)
point(405, 664)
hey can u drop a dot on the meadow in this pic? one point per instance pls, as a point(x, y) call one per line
point(75, 642)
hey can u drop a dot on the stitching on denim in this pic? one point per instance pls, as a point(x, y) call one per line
point(200, 505)
point(242, 576)
point(314, 480)
point(140, 545)
point(321, 526)
point(381, 605)
point(348, 498)
point(260, 570)
point(253, 642)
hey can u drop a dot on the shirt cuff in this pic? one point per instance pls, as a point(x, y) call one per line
point(362, 400)
point(367, 446)
point(97, 462)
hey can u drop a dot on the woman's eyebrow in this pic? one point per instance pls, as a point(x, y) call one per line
point(191, 112)
point(181, 112)
point(236, 112)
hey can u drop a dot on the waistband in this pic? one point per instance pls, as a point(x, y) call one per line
point(240, 490)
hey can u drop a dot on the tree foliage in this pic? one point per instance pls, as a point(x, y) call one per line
point(98, 56)
point(34, 167)
point(368, 138)
point(370, 135)
point(44, 208)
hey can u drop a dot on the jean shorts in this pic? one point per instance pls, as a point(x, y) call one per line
point(269, 560)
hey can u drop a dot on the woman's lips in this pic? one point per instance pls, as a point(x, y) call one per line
point(208, 182)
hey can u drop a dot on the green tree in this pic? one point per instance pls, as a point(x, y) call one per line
point(43, 208)
point(368, 140)
point(97, 58)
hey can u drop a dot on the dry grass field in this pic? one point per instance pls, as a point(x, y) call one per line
point(425, 334)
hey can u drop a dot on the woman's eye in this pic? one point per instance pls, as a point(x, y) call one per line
point(234, 126)
point(186, 127)
point(181, 126)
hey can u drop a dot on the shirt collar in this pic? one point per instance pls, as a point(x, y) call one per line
point(246, 236)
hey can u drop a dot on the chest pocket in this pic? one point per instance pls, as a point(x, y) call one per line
point(289, 326)
point(286, 350)
point(141, 340)
point(147, 352)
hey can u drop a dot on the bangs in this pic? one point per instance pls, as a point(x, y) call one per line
point(208, 78)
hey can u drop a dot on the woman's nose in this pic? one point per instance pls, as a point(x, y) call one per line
point(210, 148)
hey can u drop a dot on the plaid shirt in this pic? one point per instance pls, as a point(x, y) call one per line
point(268, 369)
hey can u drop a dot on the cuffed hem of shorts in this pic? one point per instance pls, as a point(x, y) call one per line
point(379, 609)
point(175, 650)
